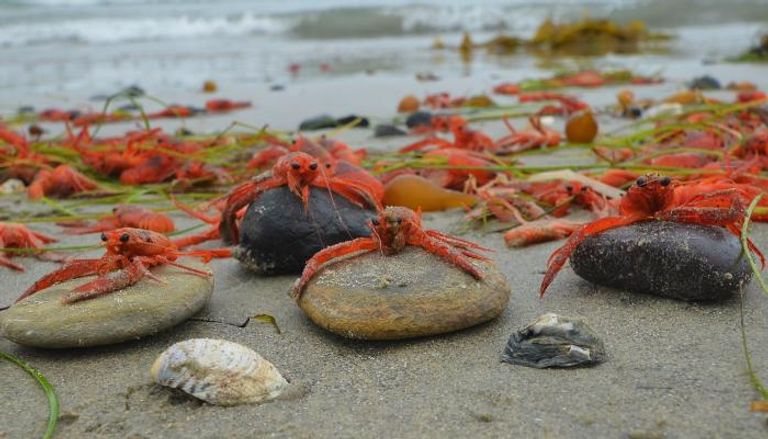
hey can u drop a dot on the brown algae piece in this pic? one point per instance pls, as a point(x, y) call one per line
point(417, 192)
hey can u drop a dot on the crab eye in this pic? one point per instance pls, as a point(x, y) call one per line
point(114, 209)
point(104, 237)
point(641, 181)
point(124, 237)
point(569, 188)
point(375, 221)
point(295, 166)
point(313, 166)
point(665, 181)
point(328, 166)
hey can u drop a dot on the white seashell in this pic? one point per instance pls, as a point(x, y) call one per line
point(666, 108)
point(12, 186)
point(218, 371)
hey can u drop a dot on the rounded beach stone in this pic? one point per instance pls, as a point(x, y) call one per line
point(145, 308)
point(668, 259)
point(318, 123)
point(277, 236)
point(412, 294)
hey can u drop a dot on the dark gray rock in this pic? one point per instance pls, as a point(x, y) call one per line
point(318, 123)
point(705, 82)
point(554, 341)
point(277, 236)
point(387, 131)
point(668, 259)
point(419, 119)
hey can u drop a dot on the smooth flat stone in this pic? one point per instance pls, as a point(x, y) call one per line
point(412, 294)
point(277, 236)
point(668, 259)
point(145, 308)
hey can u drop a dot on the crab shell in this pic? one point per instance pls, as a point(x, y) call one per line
point(219, 372)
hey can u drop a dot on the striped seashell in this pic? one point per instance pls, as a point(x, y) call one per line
point(218, 372)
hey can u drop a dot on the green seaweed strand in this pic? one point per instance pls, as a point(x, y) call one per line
point(50, 393)
point(753, 378)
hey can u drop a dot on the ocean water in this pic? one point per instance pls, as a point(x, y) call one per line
point(60, 46)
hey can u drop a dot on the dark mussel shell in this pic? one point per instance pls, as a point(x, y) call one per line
point(554, 341)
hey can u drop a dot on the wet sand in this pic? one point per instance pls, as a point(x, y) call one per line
point(673, 369)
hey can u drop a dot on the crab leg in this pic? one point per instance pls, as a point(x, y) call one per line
point(330, 254)
point(242, 196)
point(206, 254)
point(456, 242)
point(558, 258)
point(109, 282)
point(438, 142)
point(5, 262)
point(445, 251)
point(45, 239)
point(533, 233)
point(209, 235)
point(73, 270)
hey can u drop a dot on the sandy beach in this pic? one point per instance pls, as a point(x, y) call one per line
point(674, 369)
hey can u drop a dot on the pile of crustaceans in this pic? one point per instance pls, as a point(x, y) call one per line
point(686, 159)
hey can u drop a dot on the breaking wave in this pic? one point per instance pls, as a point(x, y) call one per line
point(30, 22)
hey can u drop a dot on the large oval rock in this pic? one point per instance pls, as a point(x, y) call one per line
point(676, 260)
point(278, 237)
point(412, 294)
point(145, 308)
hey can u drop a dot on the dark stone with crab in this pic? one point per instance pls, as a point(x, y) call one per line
point(277, 236)
point(676, 260)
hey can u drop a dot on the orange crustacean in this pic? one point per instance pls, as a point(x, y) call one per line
point(129, 256)
point(654, 197)
point(392, 230)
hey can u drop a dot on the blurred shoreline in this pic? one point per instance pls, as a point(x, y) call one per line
point(100, 46)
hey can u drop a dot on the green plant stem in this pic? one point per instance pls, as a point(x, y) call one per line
point(50, 393)
point(753, 378)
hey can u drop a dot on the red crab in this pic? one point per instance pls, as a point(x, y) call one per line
point(569, 104)
point(540, 231)
point(299, 171)
point(393, 230)
point(14, 236)
point(130, 254)
point(518, 141)
point(325, 149)
point(16, 158)
point(62, 182)
point(208, 235)
point(125, 216)
point(463, 138)
point(658, 198)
